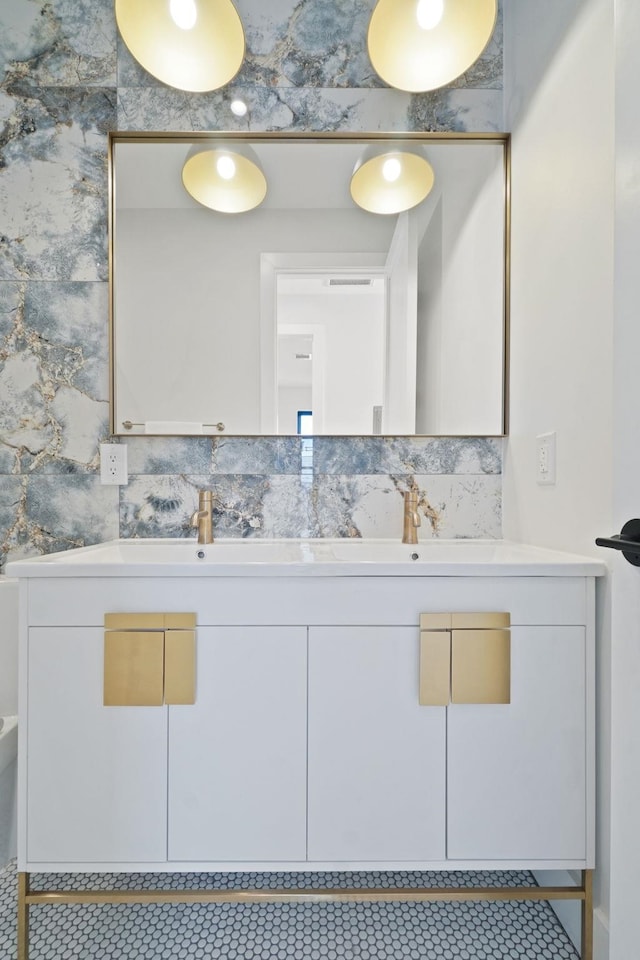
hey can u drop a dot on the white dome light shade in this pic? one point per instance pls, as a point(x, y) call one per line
point(228, 179)
point(420, 45)
point(194, 45)
point(374, 190)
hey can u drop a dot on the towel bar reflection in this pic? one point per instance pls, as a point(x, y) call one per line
point(130, 424)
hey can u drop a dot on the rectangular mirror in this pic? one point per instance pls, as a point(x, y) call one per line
point(308, 314)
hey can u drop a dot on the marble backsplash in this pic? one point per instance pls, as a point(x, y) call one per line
point(65, 81)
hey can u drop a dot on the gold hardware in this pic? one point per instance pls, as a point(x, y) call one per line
point(435, 621)
point(435, 668)
point(149, 659)
point(149, 621)
point(465, 658)
point(480, 621)
point(133, 668)
point(582, 893)
point(203, 517)
point(180, 667)
point(480, 666)
point(134, 621)
point(587, 915)
point(411, 518)
point(23, 916)
point(179, 621)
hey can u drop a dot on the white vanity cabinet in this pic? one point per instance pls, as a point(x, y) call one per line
point(237, 757)
point(307, 745)
point(95, 777)
point(390, 780)
point(377, 759)
point(224, 779)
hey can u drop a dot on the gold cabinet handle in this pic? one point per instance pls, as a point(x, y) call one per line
point(465, 658)
point(435, 668)
point(481, 666)
point(149, 659)
point(180, 666)
point(133, 668)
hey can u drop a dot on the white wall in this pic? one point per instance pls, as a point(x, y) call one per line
point(559, 105)
point(625, 760)
point(399, 407)
point(461, 306)
point(203, 298)
point(353, 366)
point(430, 391)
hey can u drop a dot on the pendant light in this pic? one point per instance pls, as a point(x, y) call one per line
point(227, 177)
point(389, 181)
point(420, 45)
point(194, 45)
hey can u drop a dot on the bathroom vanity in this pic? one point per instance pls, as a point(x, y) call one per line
point(335, 705)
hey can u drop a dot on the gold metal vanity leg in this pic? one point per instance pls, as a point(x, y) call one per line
point(23, 916)
point(587, 915)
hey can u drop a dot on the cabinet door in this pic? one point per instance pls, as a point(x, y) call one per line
point(96, 775)
point(516, 772)
point(237, 758)
point(376, 757)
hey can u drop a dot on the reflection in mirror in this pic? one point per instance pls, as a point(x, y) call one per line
point(308, 313)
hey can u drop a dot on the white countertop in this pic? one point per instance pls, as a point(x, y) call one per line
point(335, 558)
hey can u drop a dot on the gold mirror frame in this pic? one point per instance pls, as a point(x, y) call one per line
point(377, 138)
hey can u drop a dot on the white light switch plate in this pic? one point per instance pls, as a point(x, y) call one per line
point(546, 458)
point(113, 463)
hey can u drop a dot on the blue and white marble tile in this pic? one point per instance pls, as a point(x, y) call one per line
point(54, 377)
point(59, 42)
point(13, 531)
point(11, 306)
point(25, 426)
point(168, 455)
point(53, 182)
point(67, 326)
point(457, 111)
point(326, 506)
point(311, 109)
point(163, 506)
point(288, 509)
point(407, 455)
point(310, 43)
point(371, 506)
point(256, 455)
point(70, 511)
point(52, 513)
point(158, 506)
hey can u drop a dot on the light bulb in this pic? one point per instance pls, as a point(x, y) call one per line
point(391, 169)
point(429, 13)
point(184, 13)
point(226, 167)
point(239, 107)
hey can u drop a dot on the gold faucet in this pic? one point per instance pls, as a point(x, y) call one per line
point(203, 517)
point(411, 517)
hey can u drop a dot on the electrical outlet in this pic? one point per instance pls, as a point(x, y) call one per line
point(113, 463)
point(546, 458)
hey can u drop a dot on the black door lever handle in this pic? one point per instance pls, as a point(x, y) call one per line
point(627, 541)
